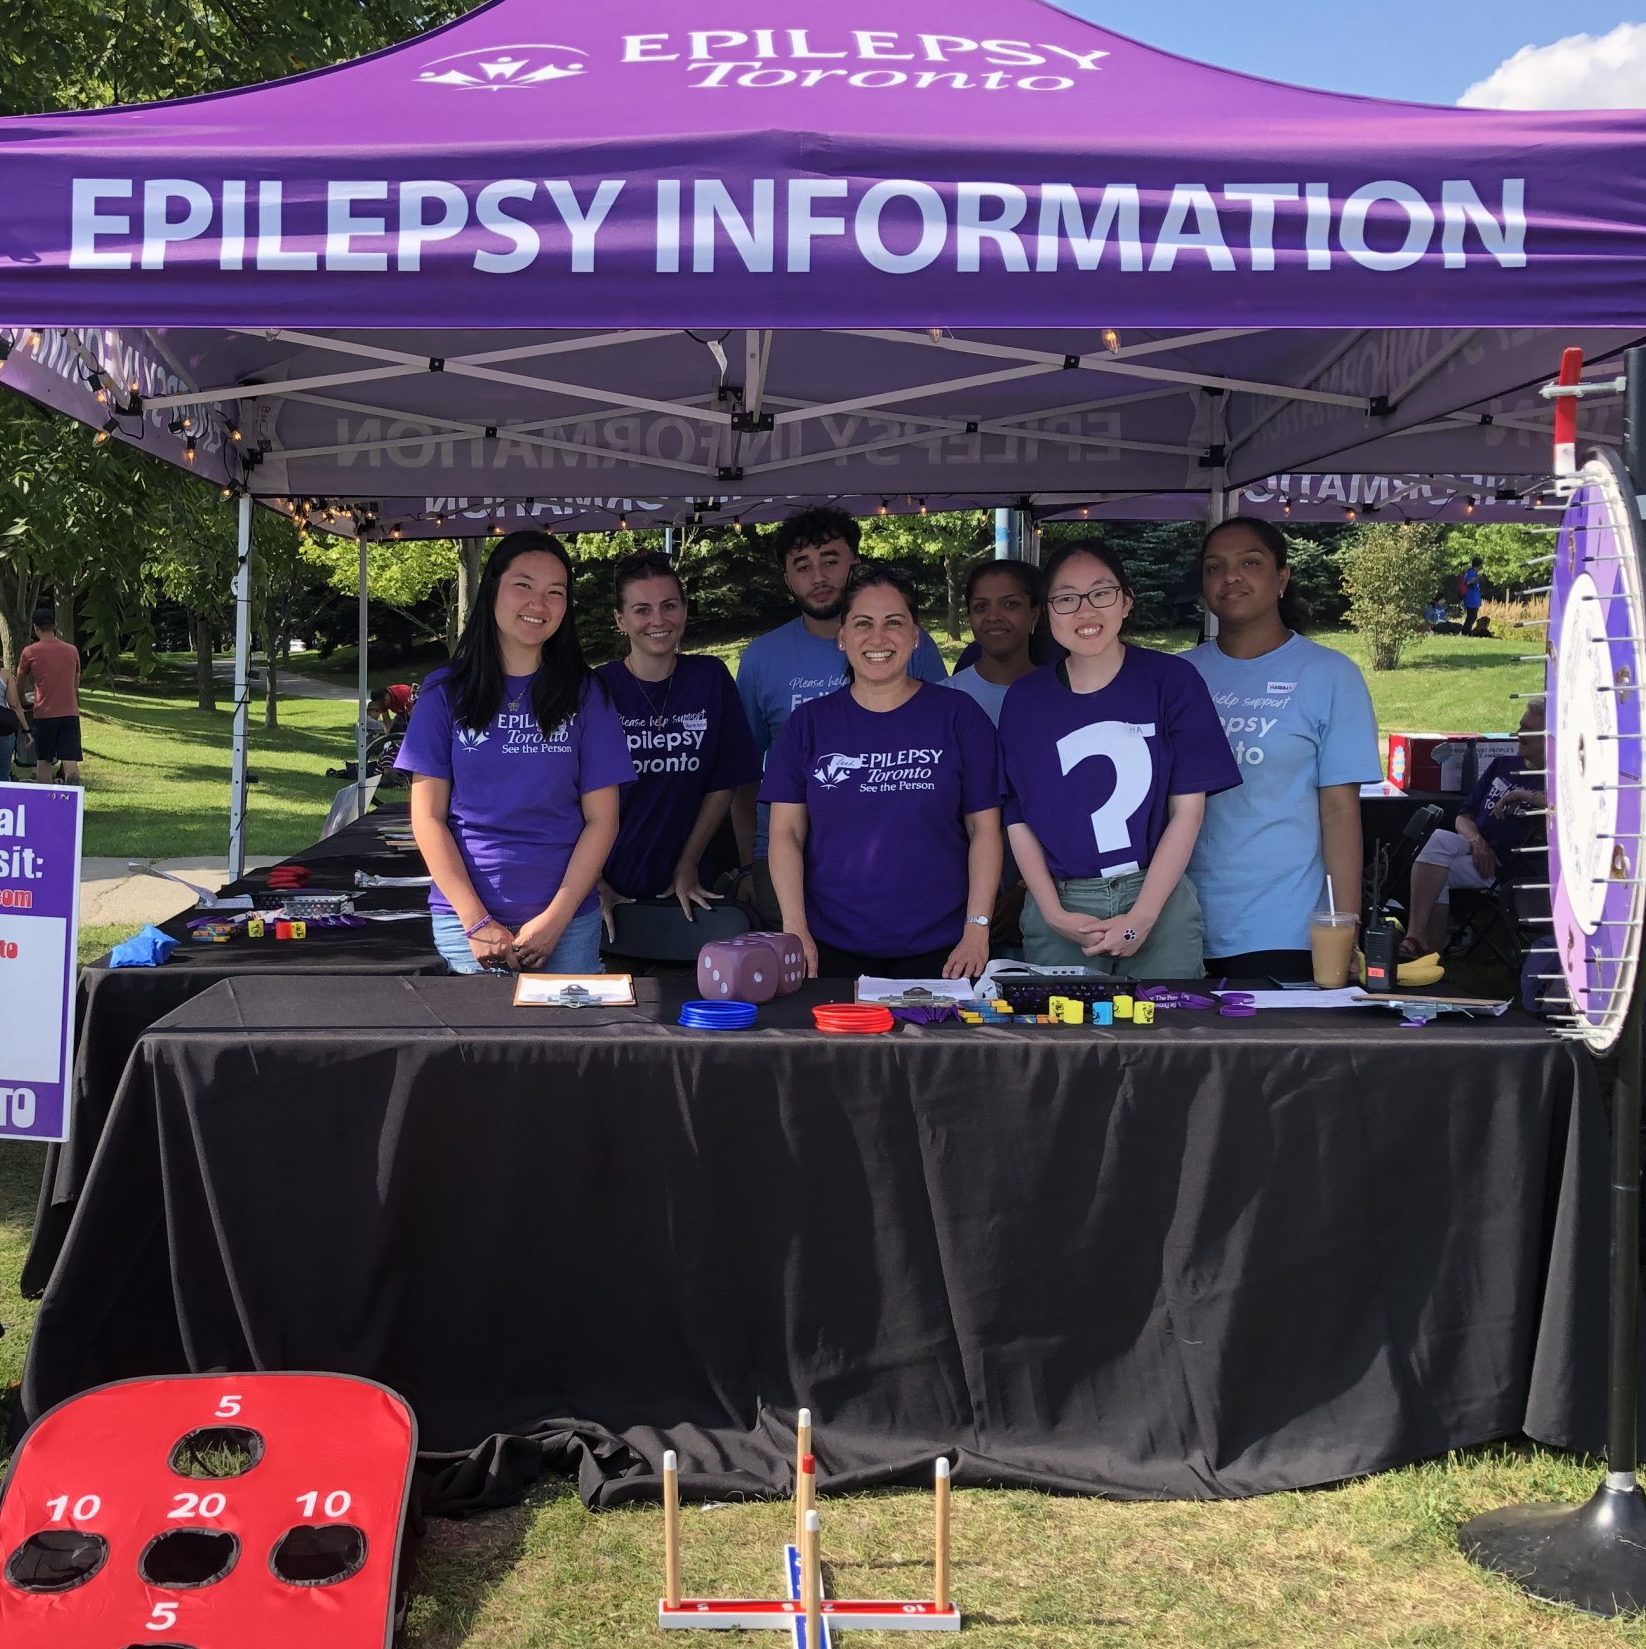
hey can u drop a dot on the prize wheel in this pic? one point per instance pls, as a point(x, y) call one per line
point(1595, 668)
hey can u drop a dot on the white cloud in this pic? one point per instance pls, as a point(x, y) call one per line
point(1583, 71)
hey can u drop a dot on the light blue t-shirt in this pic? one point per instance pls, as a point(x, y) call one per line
point(1297, 719)
point(788, 666)
point(986, 693)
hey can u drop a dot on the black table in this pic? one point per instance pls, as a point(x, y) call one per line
point(114, 1006)
point(1210, 1258)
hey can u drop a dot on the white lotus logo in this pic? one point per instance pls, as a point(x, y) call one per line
point(469, 739)
point(832, 770)
point(503, 68)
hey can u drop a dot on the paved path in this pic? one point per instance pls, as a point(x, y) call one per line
point(293, 684)
point(112, 896)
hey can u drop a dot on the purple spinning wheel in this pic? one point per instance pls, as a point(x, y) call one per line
point(1595, 670)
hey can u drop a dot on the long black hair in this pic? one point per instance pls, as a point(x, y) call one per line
point(1294, 610)
point(1098, 551)
point(475, 675)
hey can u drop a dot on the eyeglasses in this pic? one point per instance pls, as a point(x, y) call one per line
point(1066, 602)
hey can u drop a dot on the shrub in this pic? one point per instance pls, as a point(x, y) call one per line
point(1390, 571)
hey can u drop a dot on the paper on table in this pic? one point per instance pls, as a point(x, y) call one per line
point(870, 989)
point(561, 990)
point(1351, 996)
point(365, 879)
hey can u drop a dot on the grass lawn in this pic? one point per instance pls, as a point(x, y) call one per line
point(1368, 1563)
point(157, 771)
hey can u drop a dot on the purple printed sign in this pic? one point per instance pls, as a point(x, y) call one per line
point(39, 930)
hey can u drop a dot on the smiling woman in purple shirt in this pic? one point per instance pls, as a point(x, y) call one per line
point(691, 746)
point(516, 758)
point(1110, 755)
point(885, 806)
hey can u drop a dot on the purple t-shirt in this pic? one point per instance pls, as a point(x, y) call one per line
point(687, 737)
point(1090, 773)
point(516, 803)
point(887, 794)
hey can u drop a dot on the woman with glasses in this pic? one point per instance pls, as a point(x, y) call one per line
point(516, 757)
point(1300, 724)
point(1110, 755)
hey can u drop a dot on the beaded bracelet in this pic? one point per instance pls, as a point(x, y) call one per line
point(484, 922)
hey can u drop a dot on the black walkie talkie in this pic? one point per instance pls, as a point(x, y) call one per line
point(1380, 947)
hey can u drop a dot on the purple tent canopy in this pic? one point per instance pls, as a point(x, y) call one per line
point(979, 252)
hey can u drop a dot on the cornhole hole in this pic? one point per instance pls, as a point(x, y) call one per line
point(212, 1511)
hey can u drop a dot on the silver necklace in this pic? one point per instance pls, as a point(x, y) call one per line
point(658, 719)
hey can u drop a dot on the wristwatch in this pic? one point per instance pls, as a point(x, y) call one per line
point(977, 921)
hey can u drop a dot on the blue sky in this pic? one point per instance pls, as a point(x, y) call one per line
point(1426, 50)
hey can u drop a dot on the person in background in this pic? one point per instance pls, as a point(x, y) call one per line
point(517, 759)
point(1437, 616)
point(801, 660)
point(690, 743)
point(52, 666)
point(1300, 724)
point(1501, 816)
point(1474, 593)
point(1003, 605)
point(11, 723)
point(885, 807)
point(392, 706)
point(1110, 755)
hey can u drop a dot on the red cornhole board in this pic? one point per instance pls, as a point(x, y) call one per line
point(105, 1544)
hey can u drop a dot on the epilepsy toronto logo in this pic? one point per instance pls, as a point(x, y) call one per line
point(504, 68)
point(832, 770)
point(468, 738)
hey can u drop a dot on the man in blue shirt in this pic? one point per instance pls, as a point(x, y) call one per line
point(801, 660)
point(1473, 594)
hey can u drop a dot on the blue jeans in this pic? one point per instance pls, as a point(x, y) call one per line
point(577, 952)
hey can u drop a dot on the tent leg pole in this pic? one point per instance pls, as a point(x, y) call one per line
point(1003, 535)
point(365, 698)
point(242, 690)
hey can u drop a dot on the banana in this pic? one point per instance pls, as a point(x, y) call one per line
point(1420, 971)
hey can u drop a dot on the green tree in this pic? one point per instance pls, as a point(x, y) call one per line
point(1509, 550)
point(1389, 572)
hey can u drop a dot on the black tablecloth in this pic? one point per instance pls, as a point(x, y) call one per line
point(114, 1006)
point(1210, 1258)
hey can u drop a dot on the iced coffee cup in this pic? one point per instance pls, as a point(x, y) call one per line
point(1332, 947)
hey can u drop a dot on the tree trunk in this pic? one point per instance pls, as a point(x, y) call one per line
point(954, 590)
point(471, 552)
point(18, 593)
point(271, 664)
point(205, 683)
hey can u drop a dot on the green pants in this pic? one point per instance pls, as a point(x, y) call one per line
point(1173, 949)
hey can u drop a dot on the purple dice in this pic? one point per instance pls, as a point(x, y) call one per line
point(745, 969)
point(791, 960)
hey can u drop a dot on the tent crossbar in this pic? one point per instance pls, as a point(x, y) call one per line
point(916, 392)
point(287, 387)
point(1103, 361)
point(366, 409)
point(1433, 365)
point(579, 392)
point(1184, 340)
point(1343, 347)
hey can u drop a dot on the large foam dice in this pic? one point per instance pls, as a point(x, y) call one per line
point(791, 959)
point(744, 969)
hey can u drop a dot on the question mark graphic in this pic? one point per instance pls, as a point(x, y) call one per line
point(1125, 746)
